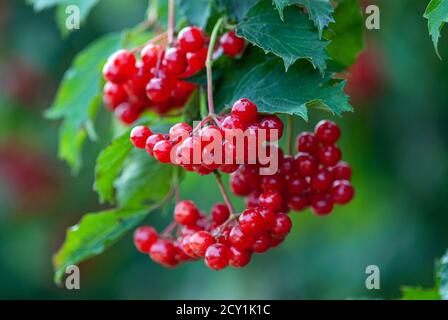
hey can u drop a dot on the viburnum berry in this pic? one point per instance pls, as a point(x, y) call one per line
point(262, 242)
point(162, 151)
point(298, 202)
point(251, 221)
point(231, 44)
point(306, 164)
point(180, 131)
point(150, 54)
point(282, 225)
point(128, 112)
point(240, 239)
point(217, 256)
point(151, 142)
point(113, 95)
point(327, 132)
point(158, 89)
point(139, 135)
point(322, 180)
point(245, 110)
point(191, 39)
point(239, 186)
point(163, 252)
point(297, 185)
point(268, 217)
point(119, 67)
point(239, 257)
point(329, 155)
point(341, 171)
point(144, 238)
point(174, 61)
point(271, 200)
point(342, 192)
point(220, 213)
point(273, 126)
point(186, 212)
point(272, 183)
point(200, 241)
point(321, 203)
point(307, 142)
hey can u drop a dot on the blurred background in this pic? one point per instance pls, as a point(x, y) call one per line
point(396, 141)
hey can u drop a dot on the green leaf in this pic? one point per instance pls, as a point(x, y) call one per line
point(143, 178)
point(437, 14)
point(346, 34)
point(443, 276)
point(292, 39)
point(94, 234)
point(79, 96)
point(109, 165)
point(236, 9)
point(197, 12)
point(85, 6)
point(417, 293)
point(319, 11)
point(277, 91)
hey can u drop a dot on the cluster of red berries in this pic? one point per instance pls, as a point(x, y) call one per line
point(216, 146)
point(315, 177)
point(156, 80)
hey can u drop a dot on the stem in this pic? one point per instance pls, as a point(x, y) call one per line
point(209, 65)
point(167, 232)
point(171, 13)
point(224, 194)
point(290, 134)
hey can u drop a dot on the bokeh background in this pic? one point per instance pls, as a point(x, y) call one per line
point(396, 140)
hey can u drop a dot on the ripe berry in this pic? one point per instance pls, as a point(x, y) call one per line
point(217, 256)
point(322, 180)
point(271, 200)
point(287, 166)
point(220, 213)
point(230, 124)
point(163, 252)
point(150, 55)
point(231, 44)
point(307, 142)
point(151, 142)
point(306, 164)
point(298, 202)
point(342, 192)
point(113, 95)
point(273, 126)
point(128, 112)
point(327, 132)
point(342, 171)
point(282, 226)
point(329, 155)
point(180, 131)
point(268, 217)
point(200, 241)
point(245, 110)
point(144, 238)
point(119, 67)
point(162, 151)
point(251, 221)
point(272, 183)
point(297, 185)
point(190, 39)
point(209, 134)
point(238, 186)
point(240, 239)
point(174, 62)
point(195, 62)
point(252, 200)
point(239, 258)
point(262, 242)
point(139, 135)
point(186, 212)
point(158, 89)
point(321, 203)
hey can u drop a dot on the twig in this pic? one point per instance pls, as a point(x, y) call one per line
point(224, 193)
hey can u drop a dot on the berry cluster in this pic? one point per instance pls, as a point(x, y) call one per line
point(314, 177)
point(215, 146)
point(156, 80)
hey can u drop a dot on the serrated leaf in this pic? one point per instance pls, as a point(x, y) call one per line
point(197, 12)
point(443, 276)
point(319, 11)
point(346, 34)
point(277, 91)
point(292, 39)
point(437, 14)
point(417, 293)
point(93, 234)
point(143, 179)
point(109, 165)
point(84, 6)
point(236, 9)
point(78, 97)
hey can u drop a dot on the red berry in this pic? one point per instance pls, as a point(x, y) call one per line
point(200, 241)
point(298, 202)
point(321, 203)
point(287, 166)
point(342, 171)
point(252, 200)
point(229, 168)
point(276, 241)
point(113, 95)
point(230, 124)
point(342, 192)
point(209, 134)
point(251, 221)
point(144, 238)
point(272, 183)
point(268, 217)
point(217, 256)
point(186, 247)
point(180, 254)
point(262, 242)
point(327, 132)
point(150, 55)
point(180, 131)
point(250, 175)
point(271, 200)
point(120, 67)
point(322, 180)
point(329, 155)
point(220, 213)
point(162, 151)
point(240, 239)
point(151, 142)
point(139, 135)
point(163, 252)
point(190, 39)
point(195, 62)
point(306, 164)
point(231, 44)
point(239, 258)
point(297, 185)
point(128, 112)
point(245, 110)
point(174, 62)
point(238, 186)
point(307, 142)
point(273, 126)
point(186, 213)
point(282, 225)
point(158, 89)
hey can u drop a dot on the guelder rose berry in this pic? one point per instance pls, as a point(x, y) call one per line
point(186, 212)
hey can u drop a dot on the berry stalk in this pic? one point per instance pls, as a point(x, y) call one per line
point(290, 135)
point(224, 194)
point(171, 13)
